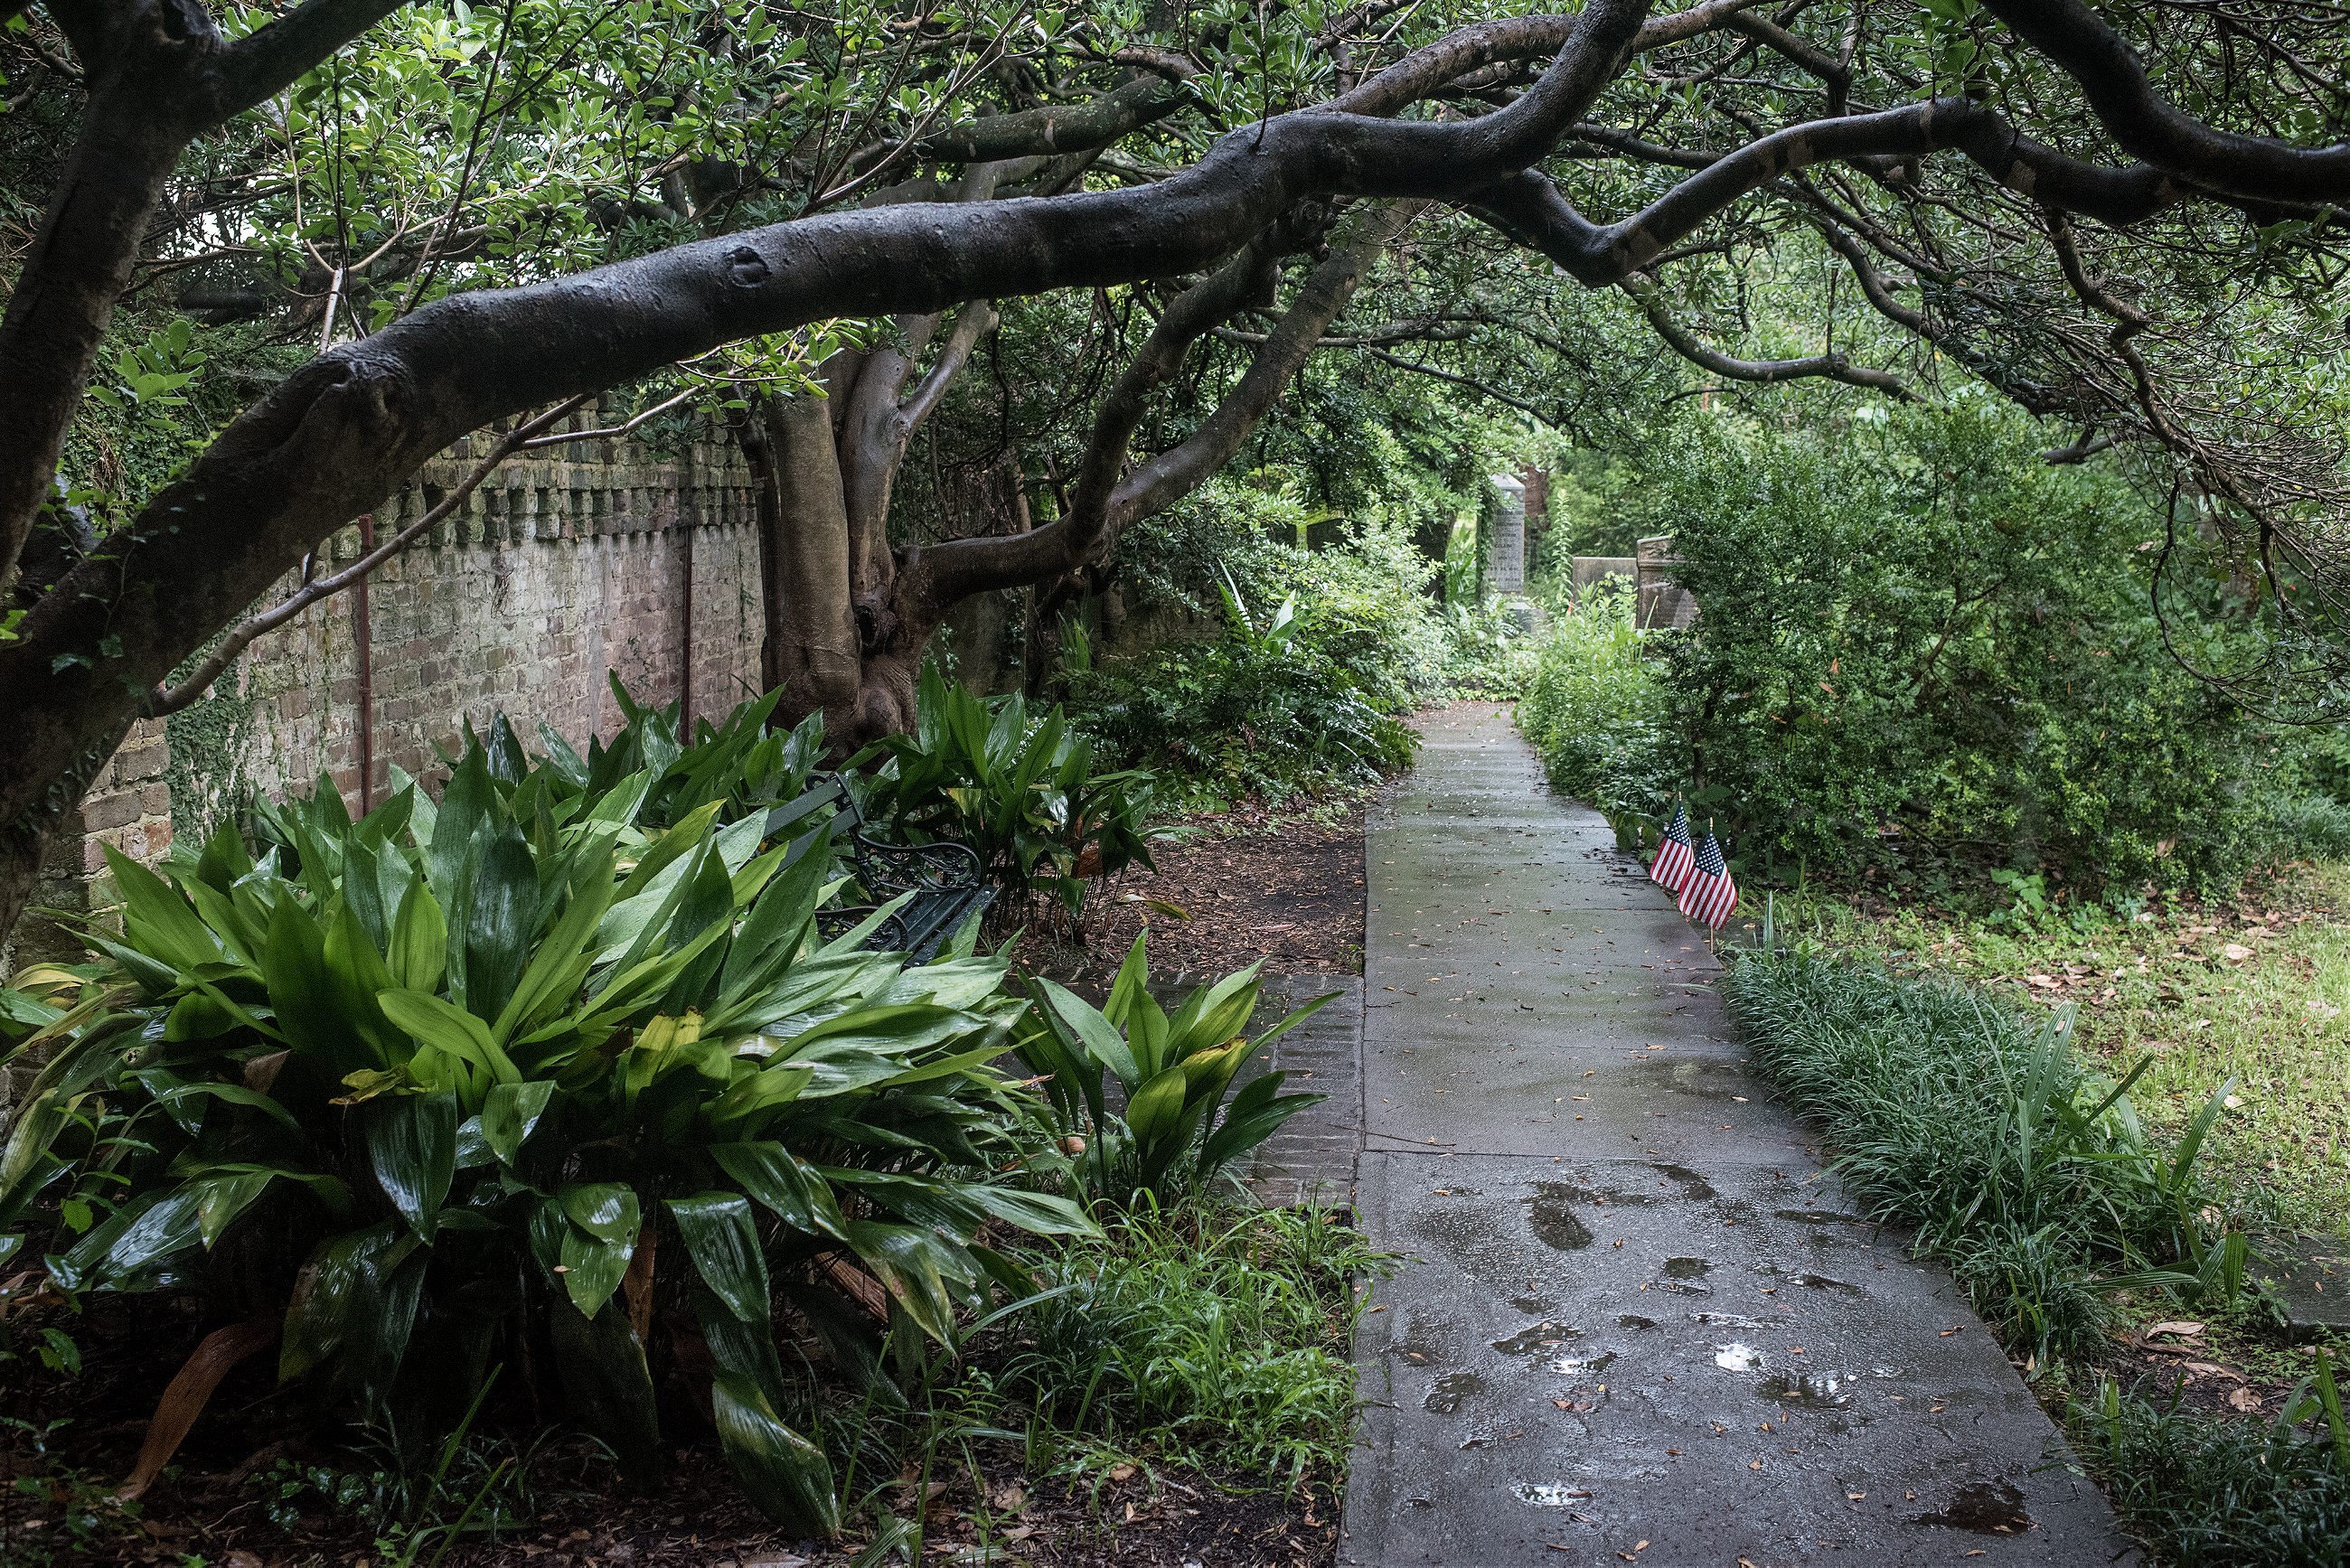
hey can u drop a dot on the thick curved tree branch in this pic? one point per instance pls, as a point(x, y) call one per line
point(2151, 127)
point(339, 434)
point(1827, 367)
point(1057, 128)
point(1103, 502)
point(1529, 208)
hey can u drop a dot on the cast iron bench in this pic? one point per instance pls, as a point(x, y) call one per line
point(946, 880)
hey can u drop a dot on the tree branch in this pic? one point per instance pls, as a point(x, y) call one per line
point(241, 635)
point(2148, 126)
point(265, 63)
point(1831, 367)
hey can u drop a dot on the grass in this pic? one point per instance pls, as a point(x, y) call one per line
point(1216, 1340)
point(2257, 991)
point(1978, 1125)
point(1967, 1112)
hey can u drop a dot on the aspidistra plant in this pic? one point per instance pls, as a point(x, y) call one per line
point(456, 1075)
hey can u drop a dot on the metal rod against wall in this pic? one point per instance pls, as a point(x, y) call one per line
point(363, 641)
point(685, 645)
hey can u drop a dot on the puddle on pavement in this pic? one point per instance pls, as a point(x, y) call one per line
point(1821, 1283)
point(1555, 1224)
point(1681, 1274)
point(1539, 1494)
point(1808, 1390)
point(1726, 1320)
point(1710, 1080)
point(1571, 1366)
point(1692, 1184)
point(1985, 1508)
point(1532, 1303)
point(1541, 1337)
point(1453, 1390)
point(1737, 1358)
point(1634, 1320)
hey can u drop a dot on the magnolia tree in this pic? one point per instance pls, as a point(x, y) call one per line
point(484, 218)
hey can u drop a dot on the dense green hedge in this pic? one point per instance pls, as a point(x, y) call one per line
point(1923, 650)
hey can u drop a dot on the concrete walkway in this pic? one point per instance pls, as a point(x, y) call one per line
point(1645, 1326)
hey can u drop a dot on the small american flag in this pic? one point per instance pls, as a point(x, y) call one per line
point(1671, 866)
point(1709, 895)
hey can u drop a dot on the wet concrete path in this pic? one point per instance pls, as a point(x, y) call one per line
point(1645, 1326)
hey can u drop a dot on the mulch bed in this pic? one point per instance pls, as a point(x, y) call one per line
point(1256, 883)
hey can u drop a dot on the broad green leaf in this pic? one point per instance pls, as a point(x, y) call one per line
point(411, 1142)
point(509, 1112)
point(156, 919)
point(723, 1242)
point(784, 1474)
point(915, 1265)
point(343, 1275)
point(499, 917)
point(1156, 1108)
point(419, 955)
point(784, 1185)
point(609, 1389)
point(605, 1209)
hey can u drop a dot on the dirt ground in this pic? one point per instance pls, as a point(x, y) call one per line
point(1252, 885)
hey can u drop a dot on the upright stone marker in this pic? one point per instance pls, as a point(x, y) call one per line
point(1505, 550)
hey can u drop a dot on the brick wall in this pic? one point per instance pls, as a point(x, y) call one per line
point(559, 568)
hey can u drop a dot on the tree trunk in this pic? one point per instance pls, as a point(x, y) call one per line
point(812, 650)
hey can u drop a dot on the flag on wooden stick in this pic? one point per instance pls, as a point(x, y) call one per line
point(1709, 895)
point(1670, 868)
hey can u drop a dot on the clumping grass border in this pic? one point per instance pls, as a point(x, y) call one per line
point(1982, 1128)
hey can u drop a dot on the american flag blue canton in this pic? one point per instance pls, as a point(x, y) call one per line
point(1709, 895)
point(1670, 868)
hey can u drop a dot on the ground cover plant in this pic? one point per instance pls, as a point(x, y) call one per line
point(1971, 1116)
point(2250, 988)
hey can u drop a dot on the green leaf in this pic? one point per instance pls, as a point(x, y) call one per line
point(1156, 1108)
point(784, 1185)
point(419, 955)
point(1086, 1032)
point(306, 997)
point(333, 1293)
point(156, 919)
point(723, 1242)
point(411, 1142)
point(509, 1112)
point(499, 915)
point(787, 1477)
point(605, 1209)
point(610, 1390)
point(915, 1265)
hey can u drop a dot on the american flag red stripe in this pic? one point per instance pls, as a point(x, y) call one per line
point(1711, 894)
point(1670, 868)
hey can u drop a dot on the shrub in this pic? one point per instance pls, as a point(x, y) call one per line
point(1984, 1131)
point(1266, 709)
point(1594, 710)
point(1918, 640)
point(455, 1076)
point(1023, 792)
point(1175, 1129)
